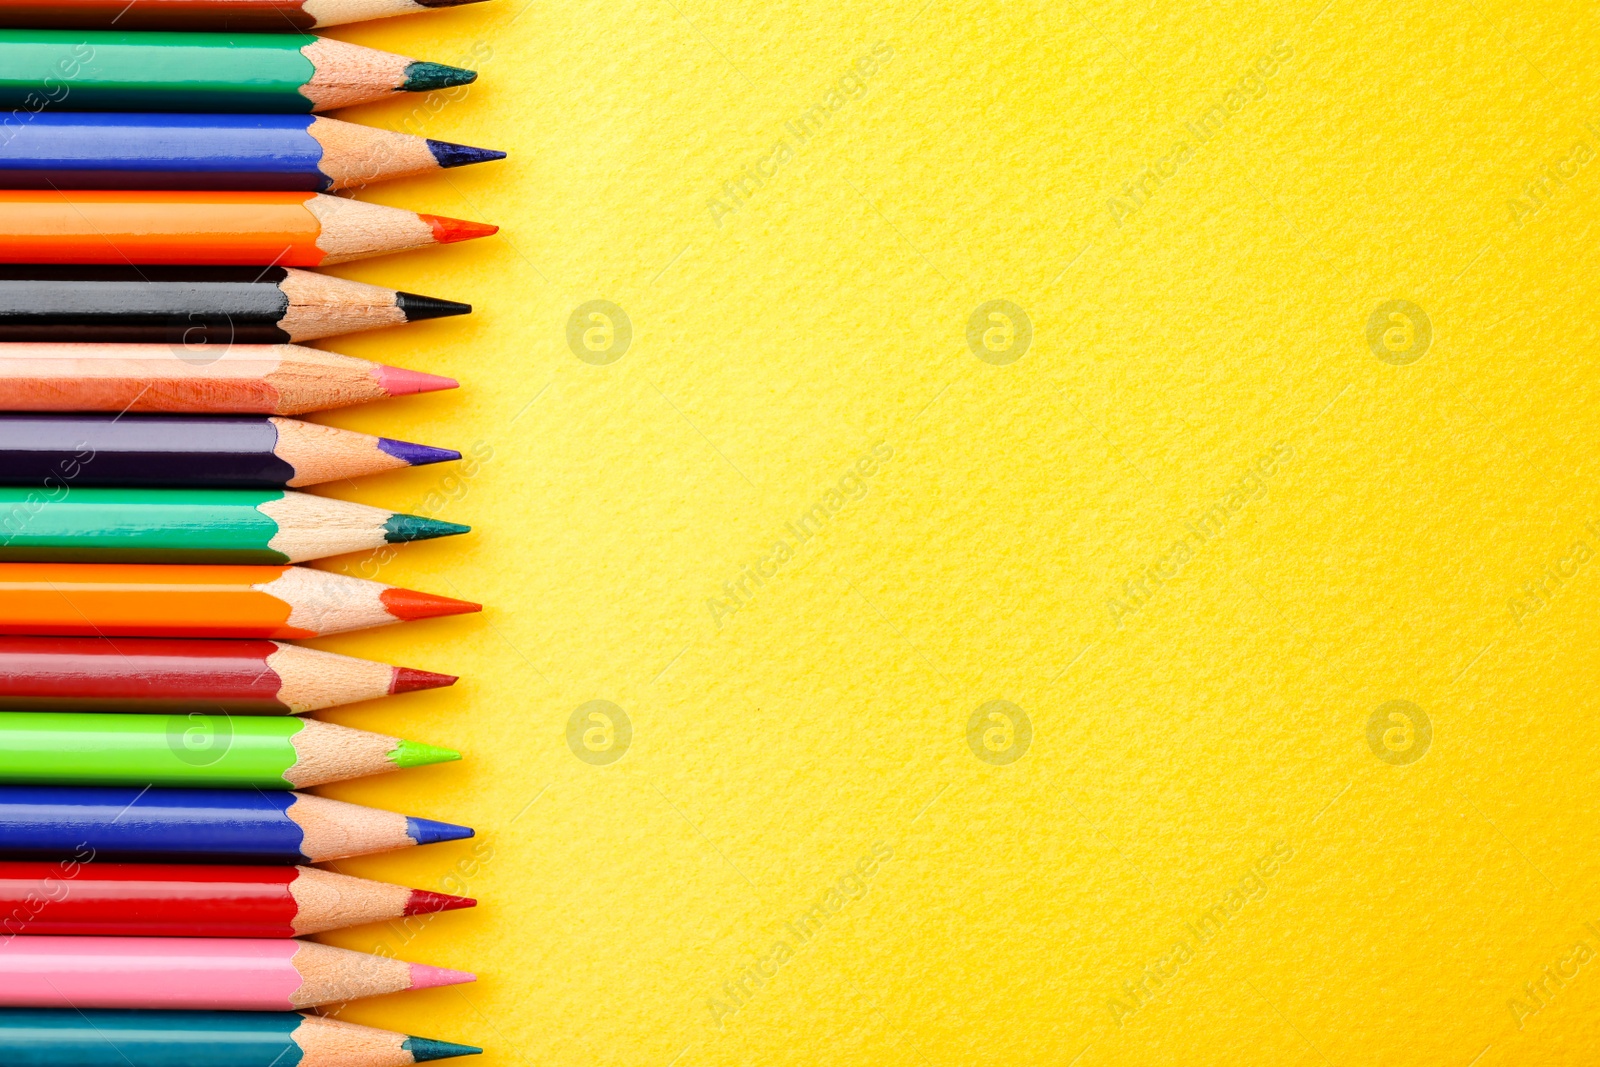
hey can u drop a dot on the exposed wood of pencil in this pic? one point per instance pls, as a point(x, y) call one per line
point(324, 306)
point(326, 1042)
point(311, 679)
point(328, 901)
point(330, 753)
point(354, 155)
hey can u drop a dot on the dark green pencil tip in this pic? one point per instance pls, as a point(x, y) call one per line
point(402, 527)
point(425, 1048)
point(425, 77)
point(449, 154)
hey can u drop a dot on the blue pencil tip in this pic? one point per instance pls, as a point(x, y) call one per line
point(415, 455)
point(448, 154)
point(429, 832)
point(425, 1048)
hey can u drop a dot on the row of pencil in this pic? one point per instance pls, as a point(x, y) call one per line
point(165, 182)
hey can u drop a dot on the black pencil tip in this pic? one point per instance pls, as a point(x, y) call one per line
point(416, 308)
point(426, 77)
point(446, 3)
point(449, 154)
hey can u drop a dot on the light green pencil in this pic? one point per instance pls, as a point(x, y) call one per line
point(218, 526)
point(203, 751)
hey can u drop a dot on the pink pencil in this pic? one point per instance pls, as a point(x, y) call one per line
point(218, 974)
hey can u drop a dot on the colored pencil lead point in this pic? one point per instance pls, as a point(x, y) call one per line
point(397, 381)
point(411, 680)
point(409, 605)
point(415, 455)
point(417, 754)
point(426, 902)
point(416, 307)
point(401, 528)
point(426, 977)
point(424, 77)
point(431, 832)
point(449, 154)
point(448, 231)
point(447, 3)
point(425, 1048)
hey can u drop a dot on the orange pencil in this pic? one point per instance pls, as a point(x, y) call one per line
point(211, 228)
point(162, 600)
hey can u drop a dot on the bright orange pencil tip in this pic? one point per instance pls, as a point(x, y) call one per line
point(425, 977)
point(448, 231)
point(411, 680)
point(397, 381)
point(408, 604)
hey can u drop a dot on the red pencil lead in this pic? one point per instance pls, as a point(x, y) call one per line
point(448, 231)
point(411, 680)
point(409, 604)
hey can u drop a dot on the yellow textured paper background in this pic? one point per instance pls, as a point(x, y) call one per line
point(1381, 529)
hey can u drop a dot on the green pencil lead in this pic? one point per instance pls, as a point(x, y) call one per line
point(423, 77)
point(417, 754)
point(418, 528)
point(424, 1048)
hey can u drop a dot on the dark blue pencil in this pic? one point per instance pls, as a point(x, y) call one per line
point(97, 150)
point(223, 825)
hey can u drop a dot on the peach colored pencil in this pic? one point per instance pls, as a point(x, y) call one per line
point(208, 379)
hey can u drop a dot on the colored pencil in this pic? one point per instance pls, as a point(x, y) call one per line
point(177, 600)
point(205, 228)
point(201, 825)
point(220, 379)
point(209, 974)
point(190, 306)
point(107, 150)
point(109, 70)
point(222, 15)
point(206, 751)
point(199, 900)
point(223, 526)
point(159, 674)
point(200, 451)
point(55, 1037)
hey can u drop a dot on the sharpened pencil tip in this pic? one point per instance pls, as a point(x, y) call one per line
point(411, 680)
point(397, 381)
point(448, 231)
point(448, 154)
point(447, 3)
point(417, 754)
point(426, 902)
point(423, 1049)
point(415, 455)
point(416, 308)
point(402, 528)
point(430, 832)
point(408, 605)
point(422, 77)
point(426, 977)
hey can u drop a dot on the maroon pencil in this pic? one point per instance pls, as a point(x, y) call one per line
point(157, 674)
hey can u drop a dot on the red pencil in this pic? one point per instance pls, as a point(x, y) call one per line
point(193, 900)
point(160, 674)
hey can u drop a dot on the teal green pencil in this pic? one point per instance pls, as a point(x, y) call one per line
point(53, 1037)
point(107, 70)
point(219, 526)
point(200, 751)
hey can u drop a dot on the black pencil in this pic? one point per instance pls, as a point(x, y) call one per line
point(192, 306)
